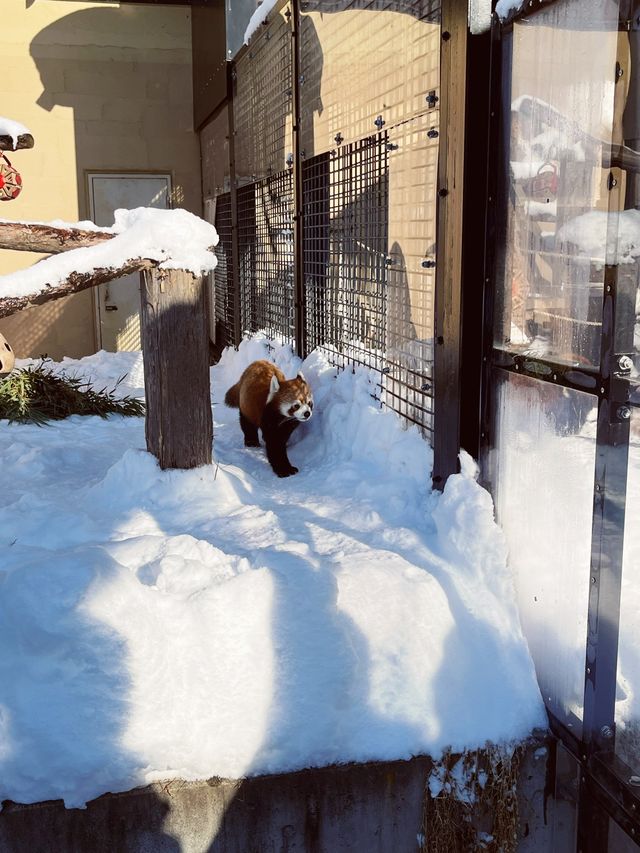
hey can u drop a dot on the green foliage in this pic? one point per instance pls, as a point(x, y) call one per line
point(36, 395)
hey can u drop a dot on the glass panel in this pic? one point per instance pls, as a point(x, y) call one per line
point(565, 809)
point(543, 488)
point(628, 696)
point(559, 109)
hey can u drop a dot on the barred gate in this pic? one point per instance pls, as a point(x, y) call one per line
point(367, 126)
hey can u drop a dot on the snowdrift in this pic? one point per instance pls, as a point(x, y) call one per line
point(223, 622)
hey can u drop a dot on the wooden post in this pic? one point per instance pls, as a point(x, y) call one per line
point(175, 346)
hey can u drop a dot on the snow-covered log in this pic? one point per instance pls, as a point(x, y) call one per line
point(14, 135)
point(24, 140)
point(75, 282)
point(46, 238)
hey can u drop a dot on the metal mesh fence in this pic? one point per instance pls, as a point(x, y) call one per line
point(346, 224)
point(367, 204)
point(223, 275)
point(265, 236)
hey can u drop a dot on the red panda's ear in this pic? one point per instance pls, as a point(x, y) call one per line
point(273, 388)
point(301, 376)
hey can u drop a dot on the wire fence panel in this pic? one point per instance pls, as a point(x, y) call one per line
point(263, 99)
point(265, 236)
point(223, 275)
point(345, 273)
point(364, 59)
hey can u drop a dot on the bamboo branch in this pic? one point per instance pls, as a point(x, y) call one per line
point(73, 284)
point(49, 239)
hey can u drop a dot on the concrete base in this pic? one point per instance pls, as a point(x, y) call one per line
point(364, 808)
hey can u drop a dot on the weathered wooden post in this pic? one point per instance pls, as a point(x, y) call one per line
point(175, 346)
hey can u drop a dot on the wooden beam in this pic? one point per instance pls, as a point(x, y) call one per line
point(448, 301)
point(24, 140)
point(48, 239)
point(175, 347)
point(73, 284)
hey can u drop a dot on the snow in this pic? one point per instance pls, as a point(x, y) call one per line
point(175, 238)
point(85, 225)
point(258, 18)
point(613, 237)
point(13, 129)
point(222, 622)
point(479, 12)
point(504, 8)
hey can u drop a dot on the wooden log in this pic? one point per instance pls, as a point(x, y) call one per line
point(24, 140)
point(175, 346)
point(74, 284)
point(48, 239)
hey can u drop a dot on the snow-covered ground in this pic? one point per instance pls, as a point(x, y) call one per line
point(224, 622)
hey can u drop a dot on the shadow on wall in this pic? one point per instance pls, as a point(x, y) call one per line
point(125, 73)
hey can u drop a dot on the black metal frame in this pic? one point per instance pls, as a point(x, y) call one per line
point(605, 791)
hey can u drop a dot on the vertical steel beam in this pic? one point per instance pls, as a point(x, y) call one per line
point(448, 296)
point(236, 332)
point(298, 160)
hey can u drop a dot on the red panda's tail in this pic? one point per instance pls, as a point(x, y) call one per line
point(232, 397)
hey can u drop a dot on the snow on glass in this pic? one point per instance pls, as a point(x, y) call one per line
point(222, 622)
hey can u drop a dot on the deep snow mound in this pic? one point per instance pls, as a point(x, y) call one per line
point(161, 624)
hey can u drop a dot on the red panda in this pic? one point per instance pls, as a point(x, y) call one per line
point(276, 405)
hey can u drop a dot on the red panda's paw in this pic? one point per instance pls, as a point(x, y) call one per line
point(287, 472)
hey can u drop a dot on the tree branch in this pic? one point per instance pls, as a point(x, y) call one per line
point(25, 140)
point(73, 284)
point(26, 237)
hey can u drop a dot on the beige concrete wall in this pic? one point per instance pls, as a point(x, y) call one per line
point(102, 87)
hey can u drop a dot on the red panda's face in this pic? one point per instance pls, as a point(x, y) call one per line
point(294, 399)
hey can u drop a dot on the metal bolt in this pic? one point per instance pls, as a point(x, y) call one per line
point(619, 71)
point(606, 732)
point(611, 181)
point(338, 138)
point(433, 133)
point(391, 146)
point(624, 413)
point(625, 363)
point(588, 670)
point(593, 580)
point(425, 387)
point(443, 192)
point(386, 369)
point(446, 35)
point(428, 264)
point(602, 390)
point(389, 261)
point(555, 377)
point(379, 122)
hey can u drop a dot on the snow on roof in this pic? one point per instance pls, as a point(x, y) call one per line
point(258, 18)
point(175, 238)
point(13, 129)
point(613, 238)
point(223, 622)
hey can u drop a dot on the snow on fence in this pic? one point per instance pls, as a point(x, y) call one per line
point(171, 249)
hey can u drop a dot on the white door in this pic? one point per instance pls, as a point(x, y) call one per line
point(118, 302)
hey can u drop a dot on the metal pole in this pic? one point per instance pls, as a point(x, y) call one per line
point(236, 332)
point(298, 192)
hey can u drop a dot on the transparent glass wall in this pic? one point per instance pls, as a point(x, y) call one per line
point(560, 112)
point(628, 692)
point(544, 473)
